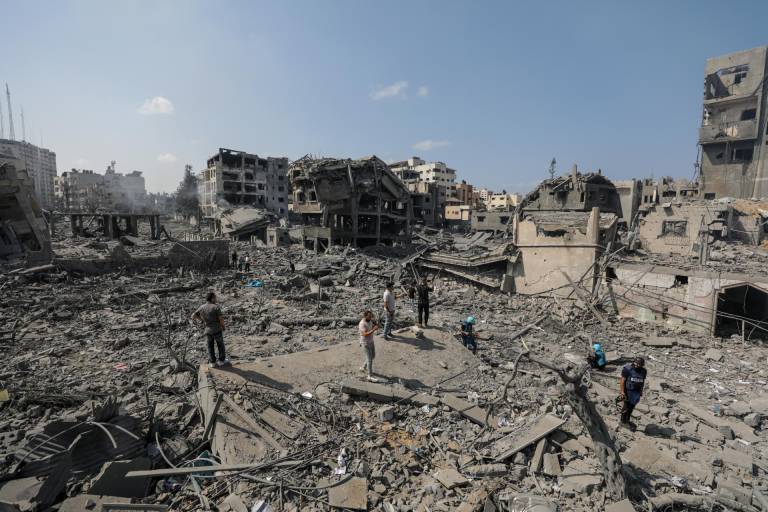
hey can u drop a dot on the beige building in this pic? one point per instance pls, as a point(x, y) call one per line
point(241, 178)
point(458, 212)
point(502, 201)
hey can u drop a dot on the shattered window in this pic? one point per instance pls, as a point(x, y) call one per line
point(742, 155)
point(674, 228)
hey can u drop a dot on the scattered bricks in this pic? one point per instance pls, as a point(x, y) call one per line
point(386, 413)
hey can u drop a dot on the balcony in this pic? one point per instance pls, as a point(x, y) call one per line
point(726, 132)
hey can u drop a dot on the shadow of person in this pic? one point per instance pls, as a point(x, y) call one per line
point(256, 377)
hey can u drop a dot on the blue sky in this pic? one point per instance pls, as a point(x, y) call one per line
point(494, 89)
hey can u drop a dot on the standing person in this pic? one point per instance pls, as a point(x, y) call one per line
point(247, 263)
point(468, 335)
point(422, 293)
point(631, 383)
point(210, 315)
point(234, 258)
point(366, 328)
point(241, 263)
point(389, 310)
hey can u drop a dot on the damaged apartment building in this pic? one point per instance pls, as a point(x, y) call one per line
point(550, 242)
point(359, 202)
point(240, 192)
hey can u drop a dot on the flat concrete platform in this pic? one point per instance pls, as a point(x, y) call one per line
point(405, 358)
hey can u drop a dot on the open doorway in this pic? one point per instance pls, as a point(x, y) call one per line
point(742, 309)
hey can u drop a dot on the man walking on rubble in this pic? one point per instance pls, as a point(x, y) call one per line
point(234, 258)
point(210, 315)
point(389, 310)
point(632, 382)
point(367, 327)
point(468, 335)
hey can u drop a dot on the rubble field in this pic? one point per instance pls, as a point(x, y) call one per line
point(107, 401)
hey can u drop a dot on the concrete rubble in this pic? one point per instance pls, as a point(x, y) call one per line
point(106, 399)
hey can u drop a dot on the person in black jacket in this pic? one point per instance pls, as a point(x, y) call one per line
point(422, 297)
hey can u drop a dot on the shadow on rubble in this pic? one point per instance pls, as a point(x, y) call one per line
point(639, 481)
point(420, 343)
point(256, 377)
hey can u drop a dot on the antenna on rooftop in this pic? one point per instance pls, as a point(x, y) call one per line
point(552, 165)
point(12, 135)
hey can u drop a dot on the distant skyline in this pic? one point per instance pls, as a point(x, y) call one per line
point(493, 89)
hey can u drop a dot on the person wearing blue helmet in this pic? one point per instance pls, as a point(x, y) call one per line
point(468, 334)
point(597, 357)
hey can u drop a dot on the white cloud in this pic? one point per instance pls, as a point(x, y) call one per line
point(423, 91)
point(429, 144)
point(80, 163)
point(156, 105)
point(395, 90)
point(167, 158)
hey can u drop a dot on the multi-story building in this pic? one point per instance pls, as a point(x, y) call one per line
point(88, 191)
point(244, 179)
point(416, 170)
point(485, 194)
point(40, 164)
point(502, 201)
point(733, 137)
point(464, 193)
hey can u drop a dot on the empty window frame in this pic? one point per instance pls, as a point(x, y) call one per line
point(674, 228)
point(742, 154)
point(748, 114)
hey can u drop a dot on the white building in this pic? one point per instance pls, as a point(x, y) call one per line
point(87, 191)
point(416, 170)
point(502, 201)
point(485, 195)
point(40, 164)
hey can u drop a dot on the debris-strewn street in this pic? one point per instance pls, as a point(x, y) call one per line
point(105, 377)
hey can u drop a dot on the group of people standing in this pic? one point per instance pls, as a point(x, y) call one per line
point(241, 262)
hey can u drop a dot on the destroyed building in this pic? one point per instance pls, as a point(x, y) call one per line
point(40, 165)
point(359, 202)
point(23, 230)
point(83, 190)
point(733, 136)
point(241, 178)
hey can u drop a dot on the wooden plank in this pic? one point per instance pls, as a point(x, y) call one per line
point(543, 427)
point(252, 423)
point(212, 419)
point(281, 423)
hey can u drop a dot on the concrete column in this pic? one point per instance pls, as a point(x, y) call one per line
point(593, 226)
point(73, 225)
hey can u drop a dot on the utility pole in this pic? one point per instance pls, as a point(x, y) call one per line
point(2, 122)
point(12, 135)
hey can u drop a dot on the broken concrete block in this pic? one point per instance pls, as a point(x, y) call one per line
point(713, 354)
point(737, 409)
point(386, 413)
point(736, 458)
point(660, 342)
point(551, 464)
point(482, 470)
point(620, 506)
point(352, 494)
point(450, 478)
point(754, 419)
point(233, 503)
point(580, 477)
point(111, 480)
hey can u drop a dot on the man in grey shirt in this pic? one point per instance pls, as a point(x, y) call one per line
point(366, 328)
point(210, 314)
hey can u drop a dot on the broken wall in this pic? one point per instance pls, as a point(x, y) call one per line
point(674, 228)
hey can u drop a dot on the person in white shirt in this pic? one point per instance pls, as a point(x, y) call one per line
point(389, 310)
point(367, 327)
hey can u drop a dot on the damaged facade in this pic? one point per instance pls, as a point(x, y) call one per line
point(359, 202)
point(88, 191)
point(733, 135)
point(241, 178)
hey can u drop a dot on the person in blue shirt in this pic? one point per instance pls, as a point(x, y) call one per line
point(468, 334)
point(597, 357)
point(632, 382)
